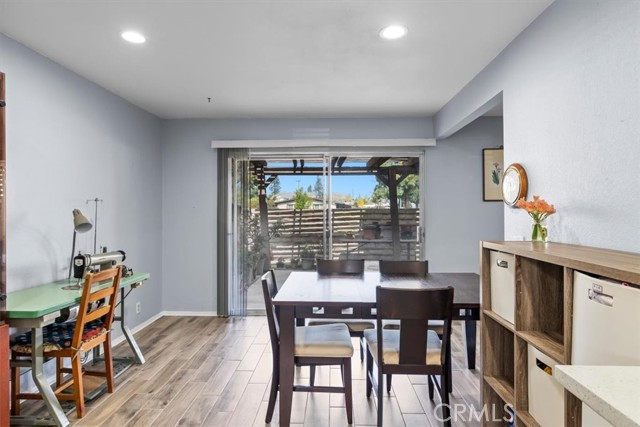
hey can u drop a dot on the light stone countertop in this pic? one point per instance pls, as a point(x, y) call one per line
point(611, 391)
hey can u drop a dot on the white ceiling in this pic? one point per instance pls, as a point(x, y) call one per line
point(302, 58)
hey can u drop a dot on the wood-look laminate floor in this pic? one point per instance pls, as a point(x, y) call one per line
point(204, 371)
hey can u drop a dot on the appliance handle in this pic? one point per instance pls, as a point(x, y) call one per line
point(502, 263)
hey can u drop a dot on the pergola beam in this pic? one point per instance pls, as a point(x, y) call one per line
point(345, 170)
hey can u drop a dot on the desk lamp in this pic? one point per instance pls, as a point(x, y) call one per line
point(80, 225)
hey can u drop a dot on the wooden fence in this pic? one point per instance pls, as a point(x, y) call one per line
point(357, 233)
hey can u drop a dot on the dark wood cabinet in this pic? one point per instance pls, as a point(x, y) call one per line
point(4, 375)
point(4, 328)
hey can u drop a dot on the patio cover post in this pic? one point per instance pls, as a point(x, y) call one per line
point(395, 214)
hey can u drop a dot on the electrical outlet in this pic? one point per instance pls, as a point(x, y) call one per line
point(138, 307)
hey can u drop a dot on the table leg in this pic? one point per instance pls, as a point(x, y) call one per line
point(287, 332)
point(37, 372)
point(139, 358)
point(470, 340)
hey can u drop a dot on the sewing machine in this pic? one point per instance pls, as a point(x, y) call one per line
point(83, 263)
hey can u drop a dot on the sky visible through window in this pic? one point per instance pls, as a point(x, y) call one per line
point(353, 185)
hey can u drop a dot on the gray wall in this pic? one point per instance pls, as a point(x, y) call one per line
point(456, 216)
point(69, 140)
point(571, 95)
point(189, 190)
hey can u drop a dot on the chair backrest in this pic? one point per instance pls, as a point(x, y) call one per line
point(269, 290)
point(97, 286)
point(404, 268)
point(414, 308)
point(328, 267)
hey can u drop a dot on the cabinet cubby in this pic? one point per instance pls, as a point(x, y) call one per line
point(498, 349)
point(495, 412)
point(540, 306)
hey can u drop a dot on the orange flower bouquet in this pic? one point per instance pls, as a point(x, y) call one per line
point(538, 209)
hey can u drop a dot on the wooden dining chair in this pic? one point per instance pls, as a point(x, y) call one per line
point(342, 267)
point(331, 267)
point(72, 340)
point(406, 269)
point(413, 349)
point(313, 346)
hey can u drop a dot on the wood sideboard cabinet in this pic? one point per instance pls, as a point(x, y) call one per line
point(526, 322)
point(4, 374)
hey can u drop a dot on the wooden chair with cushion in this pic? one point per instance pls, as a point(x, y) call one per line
point(406, 269)
point(332, 267)
point(314, 346)
point(72, 340)
point(412, 349)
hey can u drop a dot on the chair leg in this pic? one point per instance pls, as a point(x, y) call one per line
point(59, 366)
point(312, 375)
point(274, 391)
point(450, 376)
point(362, 349)
point(108, 364)
point(380, 395)
point(444, 397)
point(15, 388)
point(430, 380)
point(369, 373)
point(388, 383)
point(76, 367)
point(348, 395)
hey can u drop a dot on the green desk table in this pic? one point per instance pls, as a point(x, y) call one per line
point(38, 307)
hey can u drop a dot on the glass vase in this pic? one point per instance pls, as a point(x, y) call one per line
point(538, 232)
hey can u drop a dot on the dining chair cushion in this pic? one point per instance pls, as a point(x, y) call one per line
point(391, 346)
point(354, 325)
point(434, 325)
point(323, 341)
point(57, 336)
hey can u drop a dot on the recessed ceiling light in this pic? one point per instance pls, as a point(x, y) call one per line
point(133, 37)
point(393, 32)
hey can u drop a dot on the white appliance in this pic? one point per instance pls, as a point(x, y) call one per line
point(606, 328)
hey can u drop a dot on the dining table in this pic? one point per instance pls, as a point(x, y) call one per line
point(310, 295)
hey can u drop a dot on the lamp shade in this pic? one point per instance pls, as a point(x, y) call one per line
point(80, 222)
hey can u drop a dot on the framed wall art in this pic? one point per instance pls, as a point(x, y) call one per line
point(492, 168)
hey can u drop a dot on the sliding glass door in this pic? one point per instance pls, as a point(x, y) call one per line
point(284, 210)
